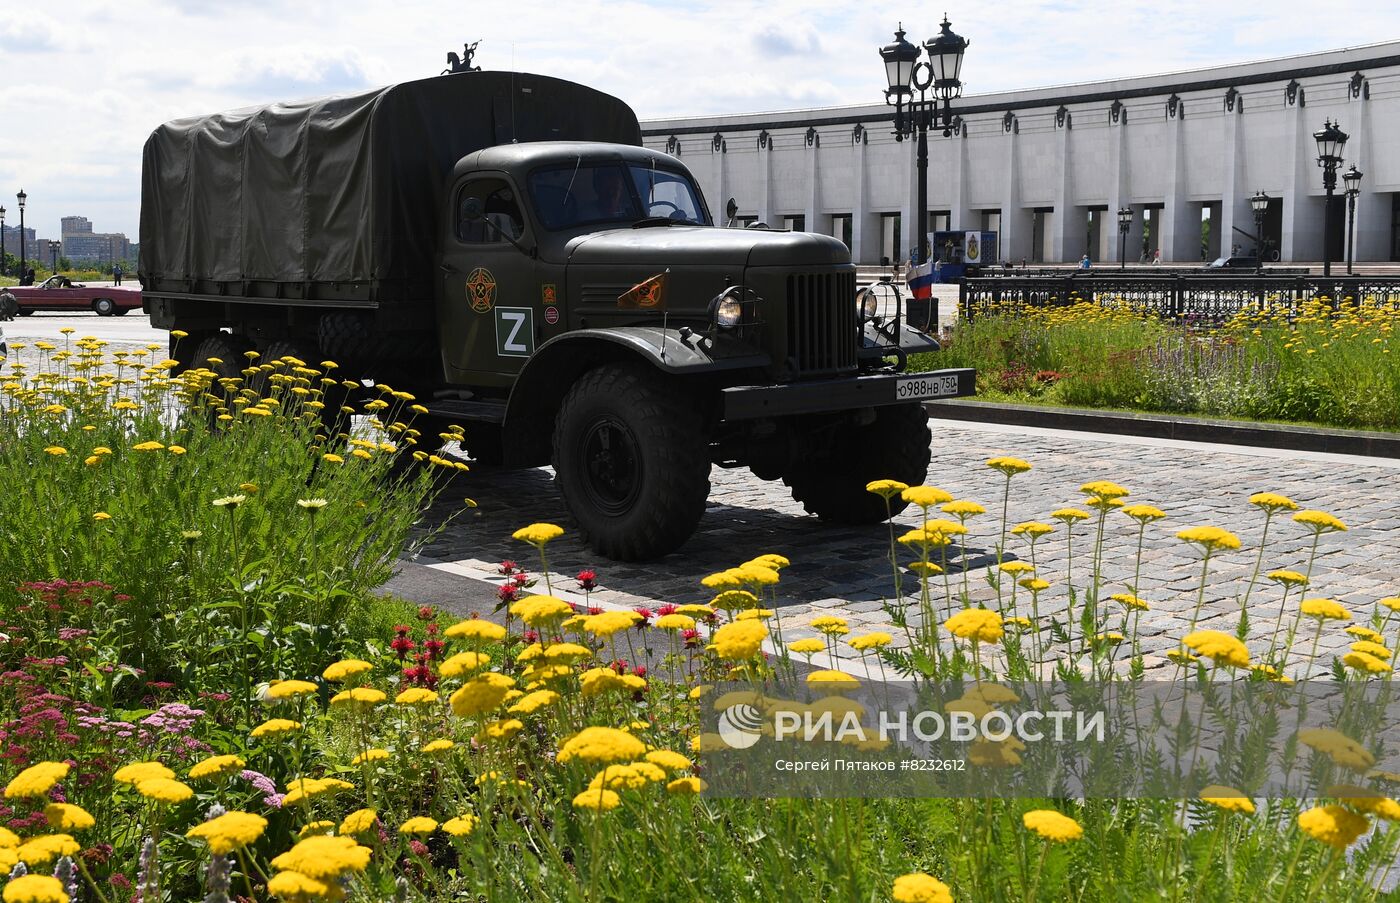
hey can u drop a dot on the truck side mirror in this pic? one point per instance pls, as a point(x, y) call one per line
point(472, 210)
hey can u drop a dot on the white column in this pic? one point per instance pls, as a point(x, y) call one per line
point(718, 198)
point(1234, 191)
point(1016, 229)
point(1372, 209)
point(1302, 224)
point(862, 238)
point(959, 213)
point(813, 188)
point(1174, 240)
point(1118, 195)
point(1066, 227)
point(764, 143)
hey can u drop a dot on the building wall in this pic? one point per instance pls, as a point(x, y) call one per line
point(1187, 145)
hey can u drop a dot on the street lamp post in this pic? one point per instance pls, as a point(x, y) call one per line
point(22, 198)
point(1352, 180)
point(53, 252)
point(3, 268)
point(1125, 222)
point(1260, 205)
point(1331, 141)
point(937, 82)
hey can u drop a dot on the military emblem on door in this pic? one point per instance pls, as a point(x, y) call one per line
point(481, 290)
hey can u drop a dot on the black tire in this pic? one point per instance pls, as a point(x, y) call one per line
point(26, 312)
point(122, 311)
point(353, 340)
point(894, 447)
point(632, 461)
point(104, 307)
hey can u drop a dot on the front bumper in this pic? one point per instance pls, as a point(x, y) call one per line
point(826, 395)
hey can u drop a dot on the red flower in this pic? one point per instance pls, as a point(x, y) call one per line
point(425, 613)
point(532, 636)
point(691, 638)
point(507, 593)
point(640, 670)
point(594, 610)
point(646, 617)
point(402, 645)
point(509, 567)
point(587, 580)
point(520, 579)
point(667, 609)
point(434, 649)
point(620, 666)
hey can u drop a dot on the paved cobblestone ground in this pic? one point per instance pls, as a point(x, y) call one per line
point(845, 571)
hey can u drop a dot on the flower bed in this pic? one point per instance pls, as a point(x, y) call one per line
point(1325, 365)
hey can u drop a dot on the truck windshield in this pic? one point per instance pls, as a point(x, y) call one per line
point(594, 193)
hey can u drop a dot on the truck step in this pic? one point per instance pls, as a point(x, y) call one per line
point(487, 411)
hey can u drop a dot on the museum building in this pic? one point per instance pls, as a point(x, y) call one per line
point(1049, 168)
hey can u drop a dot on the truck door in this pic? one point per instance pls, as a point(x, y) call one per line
point(487, 313)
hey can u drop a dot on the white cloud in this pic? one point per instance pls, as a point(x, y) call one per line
point(85, 81)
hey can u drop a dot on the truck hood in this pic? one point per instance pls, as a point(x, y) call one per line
point(707, 245)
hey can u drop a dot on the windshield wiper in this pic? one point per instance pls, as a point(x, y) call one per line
point(649, 221)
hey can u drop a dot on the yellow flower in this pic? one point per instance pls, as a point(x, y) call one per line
point(599, 800)
point(538, 535)
point(671, 761)
point(807, 646)
point(886, 489)
point(1333, 825)
point(1034, 584)
point(36, 780)
point(1144, 513)
point(1390, 602)
point(477, 630)
point(610, 622)
point(333, 459)
point(686, 786)
point(68, 817)
point(1363, 661)
point(963, 508)
point(1220, 647)
point(290, 689)
point(276, 726)
point(1325, 610)
point(500, 731)
point(464, 663)
point(35, 889)
point(917, 887)
point(533, 702)
point(597, 681)
point(164, 790)
point(359, 821)
point(1104, 489)
point(1288, 578)
point(323, 857)
point(1370, 647)
point(1052, 825)
point(216, 767)
point(1272, 501)
point(481, 694)
point(1128, 600)
point(433, 747)
point(1212, 539)
point(1366, 633)
point(832, 681)
point(1340, 748)
point(925, 569)
point(977, 624)
point(370, 755)
point(674, 622)
point(359, 697)
point(229, 501)
point(137, 772)
point(461, 826)
point(310, 788)
point(738, 640)
point(57, 451)
point(346, 669)
point(416, 696)
point(1032, 529)
point(831, 625)
point(230, 831)
point(1008, 466)
point(875, 640)
point(600, 746)
point(925, 496)
point(420, 825)
point(1320, 521)
point(151, 445)
point(1227, 798)
point(537, 610)
point(1069, 515)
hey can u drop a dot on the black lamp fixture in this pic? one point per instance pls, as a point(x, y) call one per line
point(1125, 222)
point(1351, 179)
point(1259, 203)
point(937, 82)
point(53, 253)
point(1331, 142)
point(22, 198)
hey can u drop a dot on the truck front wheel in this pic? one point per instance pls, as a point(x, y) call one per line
point(632, 461)
point(895, 446)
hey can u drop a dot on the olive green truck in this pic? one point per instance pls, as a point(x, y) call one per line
point(502, 246)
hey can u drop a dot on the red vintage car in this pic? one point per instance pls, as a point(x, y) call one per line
point(61, 293)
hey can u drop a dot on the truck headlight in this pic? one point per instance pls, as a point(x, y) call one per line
point(867, 304)
point(727, 309)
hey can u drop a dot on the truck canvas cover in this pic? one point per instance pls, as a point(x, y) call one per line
point(345, 190)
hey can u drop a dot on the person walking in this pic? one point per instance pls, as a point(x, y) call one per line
point(1084, 262)
point(1156, 256)
point(117, 273)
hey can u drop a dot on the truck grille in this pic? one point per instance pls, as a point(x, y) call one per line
point(821, 323)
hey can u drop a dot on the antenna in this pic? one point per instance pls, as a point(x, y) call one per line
point(513, 138)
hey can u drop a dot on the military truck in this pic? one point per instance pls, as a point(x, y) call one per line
point(502, 246)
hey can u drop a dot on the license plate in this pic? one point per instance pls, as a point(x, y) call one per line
point(912, 388)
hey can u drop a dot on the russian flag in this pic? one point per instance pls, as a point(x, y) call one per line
point(921, 281)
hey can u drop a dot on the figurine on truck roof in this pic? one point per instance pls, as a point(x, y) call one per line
point(503, 247)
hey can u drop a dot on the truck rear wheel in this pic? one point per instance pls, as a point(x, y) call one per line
point(831, 485)
point(632, 462)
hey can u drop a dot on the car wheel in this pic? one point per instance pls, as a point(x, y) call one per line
point(26, 312)
point(830, 483)
point(632, 461)
point(103, 306)
point(122, 311)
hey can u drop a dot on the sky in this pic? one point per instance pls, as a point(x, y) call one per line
point(83, 82)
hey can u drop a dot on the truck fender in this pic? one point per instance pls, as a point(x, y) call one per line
point(557, 364)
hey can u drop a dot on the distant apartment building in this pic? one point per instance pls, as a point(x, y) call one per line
point(80, 243)
point(9, 239)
